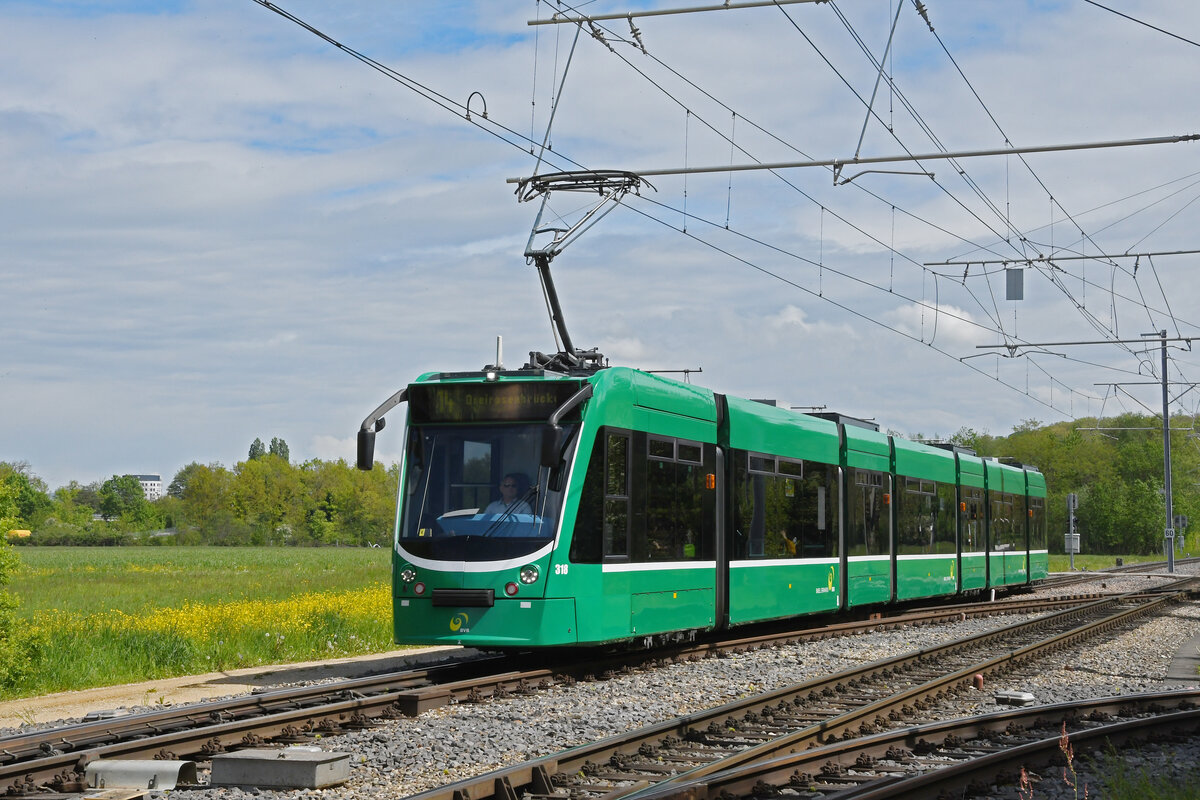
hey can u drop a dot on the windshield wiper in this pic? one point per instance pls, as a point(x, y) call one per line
point(512, 509)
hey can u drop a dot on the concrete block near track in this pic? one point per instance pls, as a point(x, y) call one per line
point(290, 768)
point(138, 774)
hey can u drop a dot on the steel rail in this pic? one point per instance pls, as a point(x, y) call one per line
point(423, 688)
point(865, 719)
point(1006, 746)
point(535, 776)
point(207, 727)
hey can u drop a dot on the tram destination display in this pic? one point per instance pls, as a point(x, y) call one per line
point(504, 401)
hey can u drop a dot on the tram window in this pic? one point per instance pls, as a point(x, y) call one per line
point(616, 503)
point(1037, 523)
point(925, 518)
point(616, 527)
point(475, 488)
point(676, 522)
point(690, 453)
point(618, 465)
point(971, 511)
point(1001, 524)
point(662, 448)
point(863, 477)
point(869, 520)
point(763, 464)
point(602, 524)
point(920, 486)
point(789, 467)
point(1020, 522)
point(781, 514)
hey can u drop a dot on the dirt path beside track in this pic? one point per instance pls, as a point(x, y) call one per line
point(194, 688)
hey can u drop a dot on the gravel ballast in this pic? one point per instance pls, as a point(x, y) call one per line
point(407, 756)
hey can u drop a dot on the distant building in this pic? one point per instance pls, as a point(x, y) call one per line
point(151, 485)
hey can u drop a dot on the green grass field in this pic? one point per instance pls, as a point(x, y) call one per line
point(103, 616)
point(136, 579)
point(1093, 562)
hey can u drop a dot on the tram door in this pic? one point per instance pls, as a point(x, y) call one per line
point(656, 499)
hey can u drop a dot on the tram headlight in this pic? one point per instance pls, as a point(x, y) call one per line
point(529, 574)
point(419, 588)
point(408, 574)
point(511, 589)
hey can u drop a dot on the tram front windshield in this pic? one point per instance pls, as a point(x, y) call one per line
point(476, 493)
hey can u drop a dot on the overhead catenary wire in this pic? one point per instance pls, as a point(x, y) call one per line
point(726, 169)
point(1081, 305)
point(487, 125)
point(841, 273)
point(505, 134)
point(1085, 237)
point(861, 315)
point(839, 163)
point(615, 36)
point(631, 15)
point(690, 114)
point(439, 99)
point(1141, 22)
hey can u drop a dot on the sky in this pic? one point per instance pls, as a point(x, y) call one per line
point(216, 226)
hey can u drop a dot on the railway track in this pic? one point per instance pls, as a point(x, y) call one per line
point(888, 694)
point(961, 758)
point(1072, 579)
point(54, 759)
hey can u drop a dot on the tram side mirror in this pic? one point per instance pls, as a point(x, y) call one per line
point(552, 443)
point(366, 449)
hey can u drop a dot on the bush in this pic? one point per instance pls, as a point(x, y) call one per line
point(15, 655)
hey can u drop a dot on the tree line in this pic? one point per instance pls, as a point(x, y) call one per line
point(1114, 466)
point(264, 500)
point(1117, 474)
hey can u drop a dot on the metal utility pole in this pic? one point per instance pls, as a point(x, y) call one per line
point(1072, 541)
point(1169, 535)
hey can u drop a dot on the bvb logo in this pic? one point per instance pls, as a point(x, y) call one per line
point(830, 579)
point(459, 620)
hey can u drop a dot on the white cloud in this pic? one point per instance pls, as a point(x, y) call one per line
point(219, 227)
point(947, 327)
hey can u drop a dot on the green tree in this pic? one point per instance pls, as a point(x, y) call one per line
point(88, 495)
point(205, 502)
point(9, 518)
point(122, 499)
point(279, 448)
point(23, 499)
point(266, 495)
point(346, 505)
point(257, 449)
point(178, 486)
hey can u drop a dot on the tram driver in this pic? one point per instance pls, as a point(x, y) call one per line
point(514, 491)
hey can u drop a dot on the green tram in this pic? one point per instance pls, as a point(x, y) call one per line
point(546, 509)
